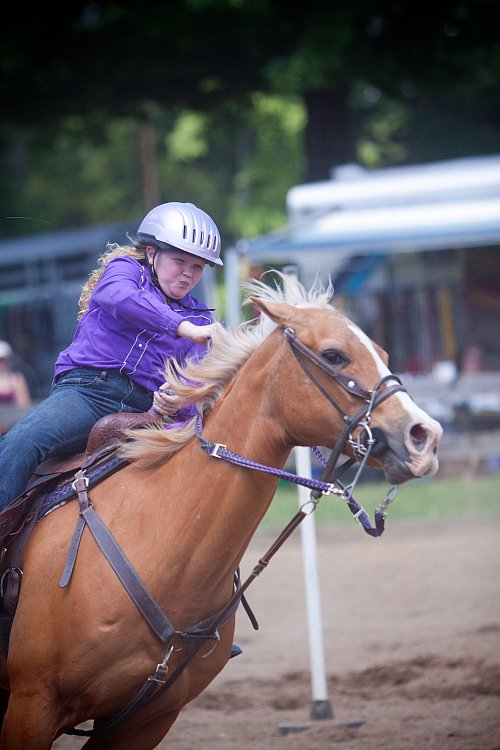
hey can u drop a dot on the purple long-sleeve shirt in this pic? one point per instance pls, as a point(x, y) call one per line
point(129, 327)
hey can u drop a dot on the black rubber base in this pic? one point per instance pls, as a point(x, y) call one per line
point(321, 710)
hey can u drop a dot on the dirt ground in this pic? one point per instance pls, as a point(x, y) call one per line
point(411, 629)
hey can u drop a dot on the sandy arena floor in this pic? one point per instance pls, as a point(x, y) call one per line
point(411, 627)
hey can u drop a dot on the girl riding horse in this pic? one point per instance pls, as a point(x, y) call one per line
point(136, 311)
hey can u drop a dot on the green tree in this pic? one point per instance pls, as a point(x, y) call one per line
point(95, 96)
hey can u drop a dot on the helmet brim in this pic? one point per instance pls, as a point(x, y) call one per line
point(149, 239)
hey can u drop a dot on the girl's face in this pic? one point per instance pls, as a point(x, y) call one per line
point(178, 272)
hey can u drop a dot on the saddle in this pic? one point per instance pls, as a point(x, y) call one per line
point(18, 519)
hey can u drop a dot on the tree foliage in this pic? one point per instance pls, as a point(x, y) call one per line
point(240, 99)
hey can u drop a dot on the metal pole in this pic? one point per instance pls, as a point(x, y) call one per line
point(321, 707)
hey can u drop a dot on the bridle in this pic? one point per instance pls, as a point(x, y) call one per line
point(361, 444)
point(372, 397)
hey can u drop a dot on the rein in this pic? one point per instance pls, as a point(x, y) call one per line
point(329, 482)
point(319, 487)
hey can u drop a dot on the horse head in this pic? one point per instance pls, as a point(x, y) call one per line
point(355, 396)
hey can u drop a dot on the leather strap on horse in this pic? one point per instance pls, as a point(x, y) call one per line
point(147, 606)
point(154, 616)
point(157, 684)
point(373, 397)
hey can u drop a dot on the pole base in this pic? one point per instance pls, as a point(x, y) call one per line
point(285, 729)
point(321, 710)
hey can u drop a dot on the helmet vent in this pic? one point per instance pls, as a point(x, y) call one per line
point(184, 234)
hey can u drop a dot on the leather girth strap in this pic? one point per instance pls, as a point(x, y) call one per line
point(154, 616)
point(150, 610)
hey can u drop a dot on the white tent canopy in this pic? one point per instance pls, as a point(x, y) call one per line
point(435, 206)
point(452, 204)
point(353, 186)
point(386, 229)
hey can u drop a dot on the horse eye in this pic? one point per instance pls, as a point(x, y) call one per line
point(334, 357)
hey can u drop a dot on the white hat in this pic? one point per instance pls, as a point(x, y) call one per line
point(5, 350)
point(183, 226)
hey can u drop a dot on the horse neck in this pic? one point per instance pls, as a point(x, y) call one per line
point(246, 418)
point(228, 502)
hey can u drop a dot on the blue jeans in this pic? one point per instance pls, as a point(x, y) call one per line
point(62, 422)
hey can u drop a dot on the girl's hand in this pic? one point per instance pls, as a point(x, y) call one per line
point(164, 402)
point(198, 334)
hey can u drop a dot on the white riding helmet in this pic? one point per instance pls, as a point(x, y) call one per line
point(183, 226)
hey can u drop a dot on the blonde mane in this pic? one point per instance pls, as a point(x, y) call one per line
point(203, 383)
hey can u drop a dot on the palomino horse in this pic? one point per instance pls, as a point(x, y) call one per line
point(302, 374)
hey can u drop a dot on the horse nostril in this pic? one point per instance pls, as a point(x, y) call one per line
point(419, 437)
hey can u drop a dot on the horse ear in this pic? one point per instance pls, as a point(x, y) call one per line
point(280, 312)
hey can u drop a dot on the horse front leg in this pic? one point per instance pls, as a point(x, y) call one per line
point(143, 737)
point(29, 724)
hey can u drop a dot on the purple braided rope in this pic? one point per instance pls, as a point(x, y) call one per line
point(220, 451)
point(356, 509)
point(318, 455)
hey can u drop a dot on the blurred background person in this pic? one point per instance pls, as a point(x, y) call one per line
point(14, 389)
